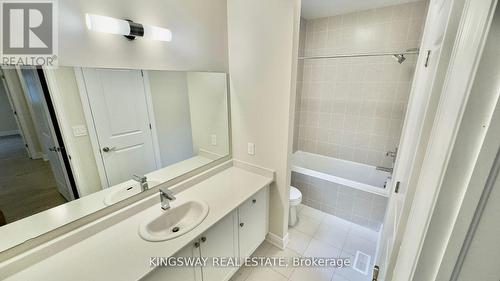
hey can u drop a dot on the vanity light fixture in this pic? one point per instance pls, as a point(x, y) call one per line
point(127, 28)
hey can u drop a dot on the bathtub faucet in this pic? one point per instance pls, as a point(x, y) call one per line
point(385, 169)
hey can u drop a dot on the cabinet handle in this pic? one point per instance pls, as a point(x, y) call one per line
point(196, 244)
point(241, 224)
point(254, 201)
point(203, 239)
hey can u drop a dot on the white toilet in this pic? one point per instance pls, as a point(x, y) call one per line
point(294, 200)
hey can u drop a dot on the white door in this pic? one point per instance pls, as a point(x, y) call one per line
point(45, 130)
point(117, 99)
point(432, 41)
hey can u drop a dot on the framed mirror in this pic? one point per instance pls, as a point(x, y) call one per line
point(75, 140)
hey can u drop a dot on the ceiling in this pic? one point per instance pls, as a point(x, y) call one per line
point(312, 9)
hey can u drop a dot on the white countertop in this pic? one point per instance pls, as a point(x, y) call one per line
point(118, 252)
point(19, 231)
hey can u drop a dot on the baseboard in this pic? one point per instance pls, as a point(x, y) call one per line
point(9, 133)
point(277, 240)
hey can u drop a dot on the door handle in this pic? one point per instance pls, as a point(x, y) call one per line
point(54, 149)
point(241, 224)
point(108, 149)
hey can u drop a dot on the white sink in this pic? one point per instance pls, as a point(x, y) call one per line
point(174, 222)
point(125, 192)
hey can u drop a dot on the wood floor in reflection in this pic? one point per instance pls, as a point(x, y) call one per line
point(27, 186)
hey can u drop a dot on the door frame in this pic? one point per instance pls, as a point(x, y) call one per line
point(89, 119)
point(41, 153)
point(20, 121)
point(467, 51)
point(56, 131)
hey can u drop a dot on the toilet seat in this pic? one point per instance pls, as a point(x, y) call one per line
point(295, 196)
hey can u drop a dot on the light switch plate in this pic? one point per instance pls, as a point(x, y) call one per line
point(214, 139)
point(79, 130)
point(251, 148)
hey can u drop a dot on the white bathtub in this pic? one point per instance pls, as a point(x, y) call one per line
point(348, 173)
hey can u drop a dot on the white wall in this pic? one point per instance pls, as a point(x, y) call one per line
point(263, 48)
point(8, 124)
point(169, 94)
point(199, 35)
point(80, 148)
point(208, 107)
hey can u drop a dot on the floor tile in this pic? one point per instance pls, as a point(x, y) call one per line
point(264, 273)
point(337, 277)
point(337, 222)
point(286, 253)
point(312, 213)
point(242, 274)
point(364, 233)
point(332, 235)
point(312, 274)
point(262, 250)
point(354, 243)
point(349, 273)
point(298, 241)
point(320, 249)
point(307, 225)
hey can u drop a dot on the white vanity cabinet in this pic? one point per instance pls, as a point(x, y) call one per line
point(238, 234)
point(253, 222)
point(221, 240)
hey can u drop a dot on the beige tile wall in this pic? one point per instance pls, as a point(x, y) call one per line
point(353, 108)
point(363, 208)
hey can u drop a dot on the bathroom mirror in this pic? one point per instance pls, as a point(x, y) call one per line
point(76, 140)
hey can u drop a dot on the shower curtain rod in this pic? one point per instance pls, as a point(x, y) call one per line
point(359, 55)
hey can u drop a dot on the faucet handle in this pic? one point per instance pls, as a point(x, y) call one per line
point(141, 179)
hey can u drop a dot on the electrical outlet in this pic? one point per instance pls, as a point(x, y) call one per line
point(251, 148)
point(214, 140)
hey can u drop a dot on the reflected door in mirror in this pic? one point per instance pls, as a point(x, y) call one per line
point(118, 102)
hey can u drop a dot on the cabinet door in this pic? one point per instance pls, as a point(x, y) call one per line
point(177, 273)
point(252, 226)
point(221, 240)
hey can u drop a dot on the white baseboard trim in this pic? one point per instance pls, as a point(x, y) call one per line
point(278, 241)
point(9, 133)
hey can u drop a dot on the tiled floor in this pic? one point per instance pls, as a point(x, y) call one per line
point(317, 234)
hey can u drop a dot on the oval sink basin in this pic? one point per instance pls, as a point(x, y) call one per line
point(125, 192)
point(174, 222)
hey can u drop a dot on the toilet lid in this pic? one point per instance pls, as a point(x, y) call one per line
point(295, 194)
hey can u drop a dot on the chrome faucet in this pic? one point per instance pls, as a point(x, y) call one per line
point(166, 196)
point(142, 180)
